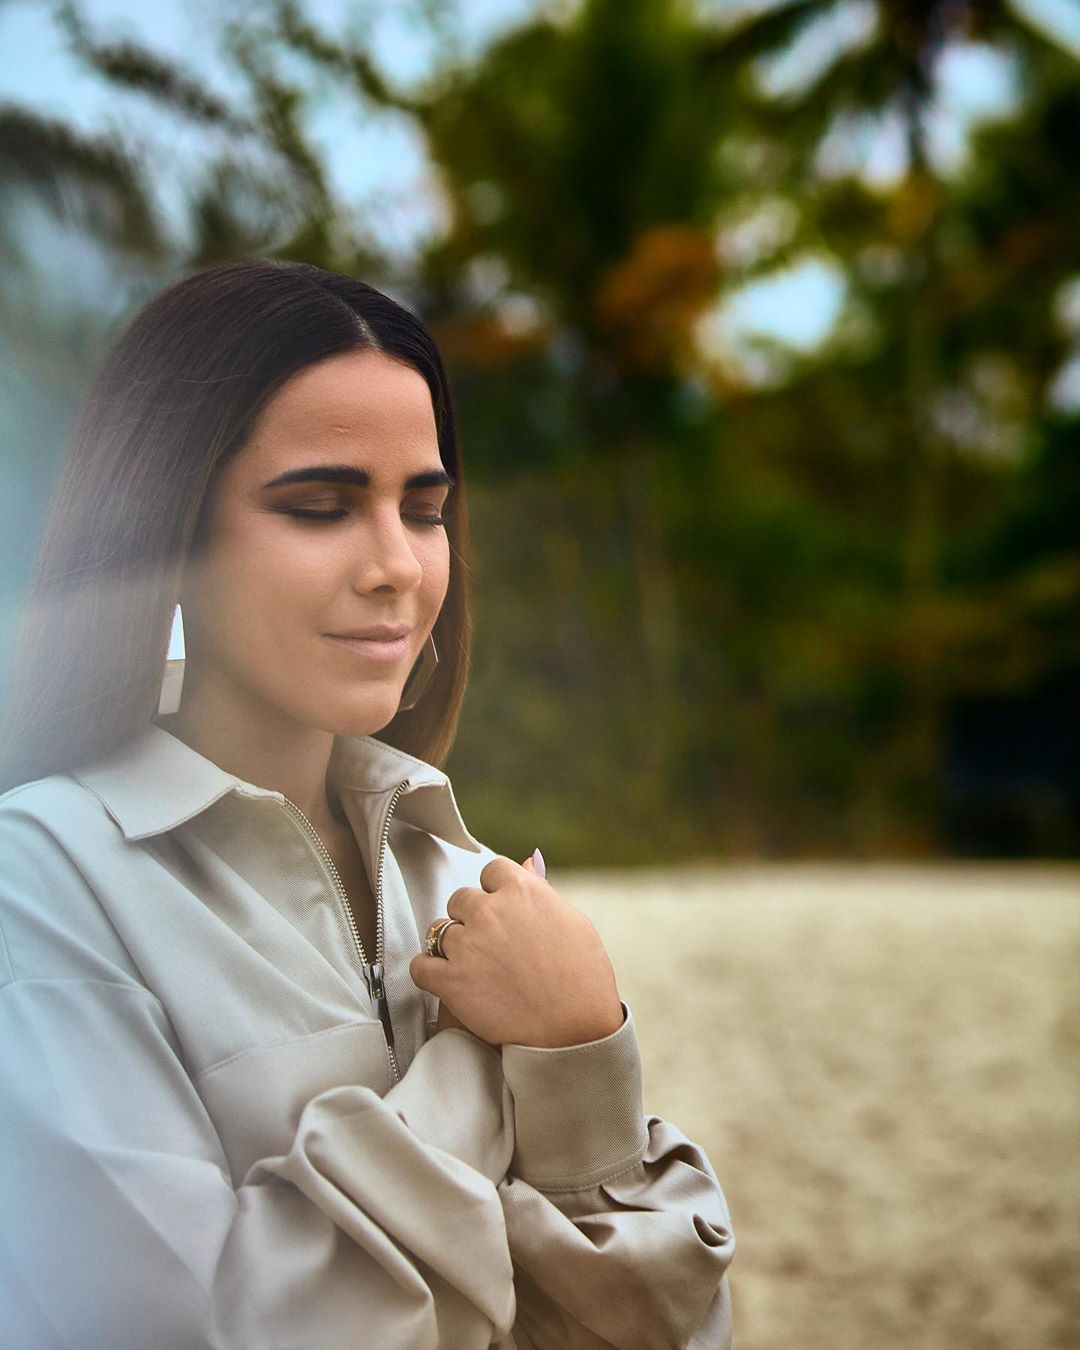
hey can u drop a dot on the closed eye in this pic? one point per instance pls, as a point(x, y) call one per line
point(416, 517)
point(303, 513)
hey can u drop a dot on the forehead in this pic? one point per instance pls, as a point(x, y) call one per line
point(363, 405)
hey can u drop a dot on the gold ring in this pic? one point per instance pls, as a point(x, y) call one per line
point(435, 935)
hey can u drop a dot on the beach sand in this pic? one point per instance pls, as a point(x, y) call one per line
point(883, 1064)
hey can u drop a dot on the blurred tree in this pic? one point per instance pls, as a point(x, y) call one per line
point(73, 176)
point(595, 213)
point(734, 603)
point(935, 388)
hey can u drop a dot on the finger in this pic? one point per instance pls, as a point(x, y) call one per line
point(465, 899)
point(498, 872)
point(449, 938)
point(436, 937)
point(431, 973)
point(464, 902)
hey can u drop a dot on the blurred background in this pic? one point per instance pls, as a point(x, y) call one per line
point(763, 321)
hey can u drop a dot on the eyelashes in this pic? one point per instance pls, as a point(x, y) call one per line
point(303, 513)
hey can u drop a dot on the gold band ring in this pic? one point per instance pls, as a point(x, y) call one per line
point(435, 936)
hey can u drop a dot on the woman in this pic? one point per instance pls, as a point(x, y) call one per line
point(255, 1094)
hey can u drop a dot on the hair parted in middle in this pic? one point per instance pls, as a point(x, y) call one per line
point(176, 397)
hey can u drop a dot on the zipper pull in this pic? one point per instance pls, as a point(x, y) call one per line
point(373, 978)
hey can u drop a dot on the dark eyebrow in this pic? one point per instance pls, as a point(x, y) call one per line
point(345, 473)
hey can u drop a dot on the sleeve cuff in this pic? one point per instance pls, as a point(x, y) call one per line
point(578, 1113)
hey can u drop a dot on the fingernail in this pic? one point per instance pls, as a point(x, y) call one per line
point(538, 862)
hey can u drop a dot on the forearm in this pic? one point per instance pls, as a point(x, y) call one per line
point(122, 1225)
point(619, 1231)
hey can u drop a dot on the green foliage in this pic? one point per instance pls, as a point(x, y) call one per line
point(715, 615)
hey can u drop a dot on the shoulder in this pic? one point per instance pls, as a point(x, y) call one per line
point(56, 842)
point(56, 806)
point(53, 826)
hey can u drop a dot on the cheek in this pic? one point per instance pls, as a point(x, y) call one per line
point(437, 574)
point(268, 590)
point(261, 588)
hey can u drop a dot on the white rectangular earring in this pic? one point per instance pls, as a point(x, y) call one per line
point(172, 681)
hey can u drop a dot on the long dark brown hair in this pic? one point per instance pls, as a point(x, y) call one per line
point(174, 400)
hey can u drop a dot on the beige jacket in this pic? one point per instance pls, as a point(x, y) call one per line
point(206, 1141)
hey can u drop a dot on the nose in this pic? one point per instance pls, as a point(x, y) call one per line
point(388, 560)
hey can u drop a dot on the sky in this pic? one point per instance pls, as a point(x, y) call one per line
point(381, 162)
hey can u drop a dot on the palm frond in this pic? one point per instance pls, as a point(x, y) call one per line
point(137, 68)
point(87, 180)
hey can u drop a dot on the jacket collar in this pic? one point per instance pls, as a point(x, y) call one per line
point(156, 781)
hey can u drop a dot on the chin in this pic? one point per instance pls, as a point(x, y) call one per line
point(370, 716)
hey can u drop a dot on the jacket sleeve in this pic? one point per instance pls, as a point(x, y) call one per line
point(619, 1231)
point(120, 1224)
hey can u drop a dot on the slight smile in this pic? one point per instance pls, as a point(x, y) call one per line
point(378, 643)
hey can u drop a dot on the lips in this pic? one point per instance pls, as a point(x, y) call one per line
point(378, 642)
point(376, 632)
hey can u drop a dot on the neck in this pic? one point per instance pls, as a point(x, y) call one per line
point(262, 746)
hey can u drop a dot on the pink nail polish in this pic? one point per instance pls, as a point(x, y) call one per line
point(538, 862)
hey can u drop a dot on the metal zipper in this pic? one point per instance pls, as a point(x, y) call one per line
point(380, 867)
point(372, 971)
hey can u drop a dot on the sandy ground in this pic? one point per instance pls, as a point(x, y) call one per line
point(883, 1064)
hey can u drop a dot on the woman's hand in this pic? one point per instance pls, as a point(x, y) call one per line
point(446, 1019)
point(522, 966)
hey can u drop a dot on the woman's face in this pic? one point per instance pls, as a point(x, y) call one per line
point(371, 558)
